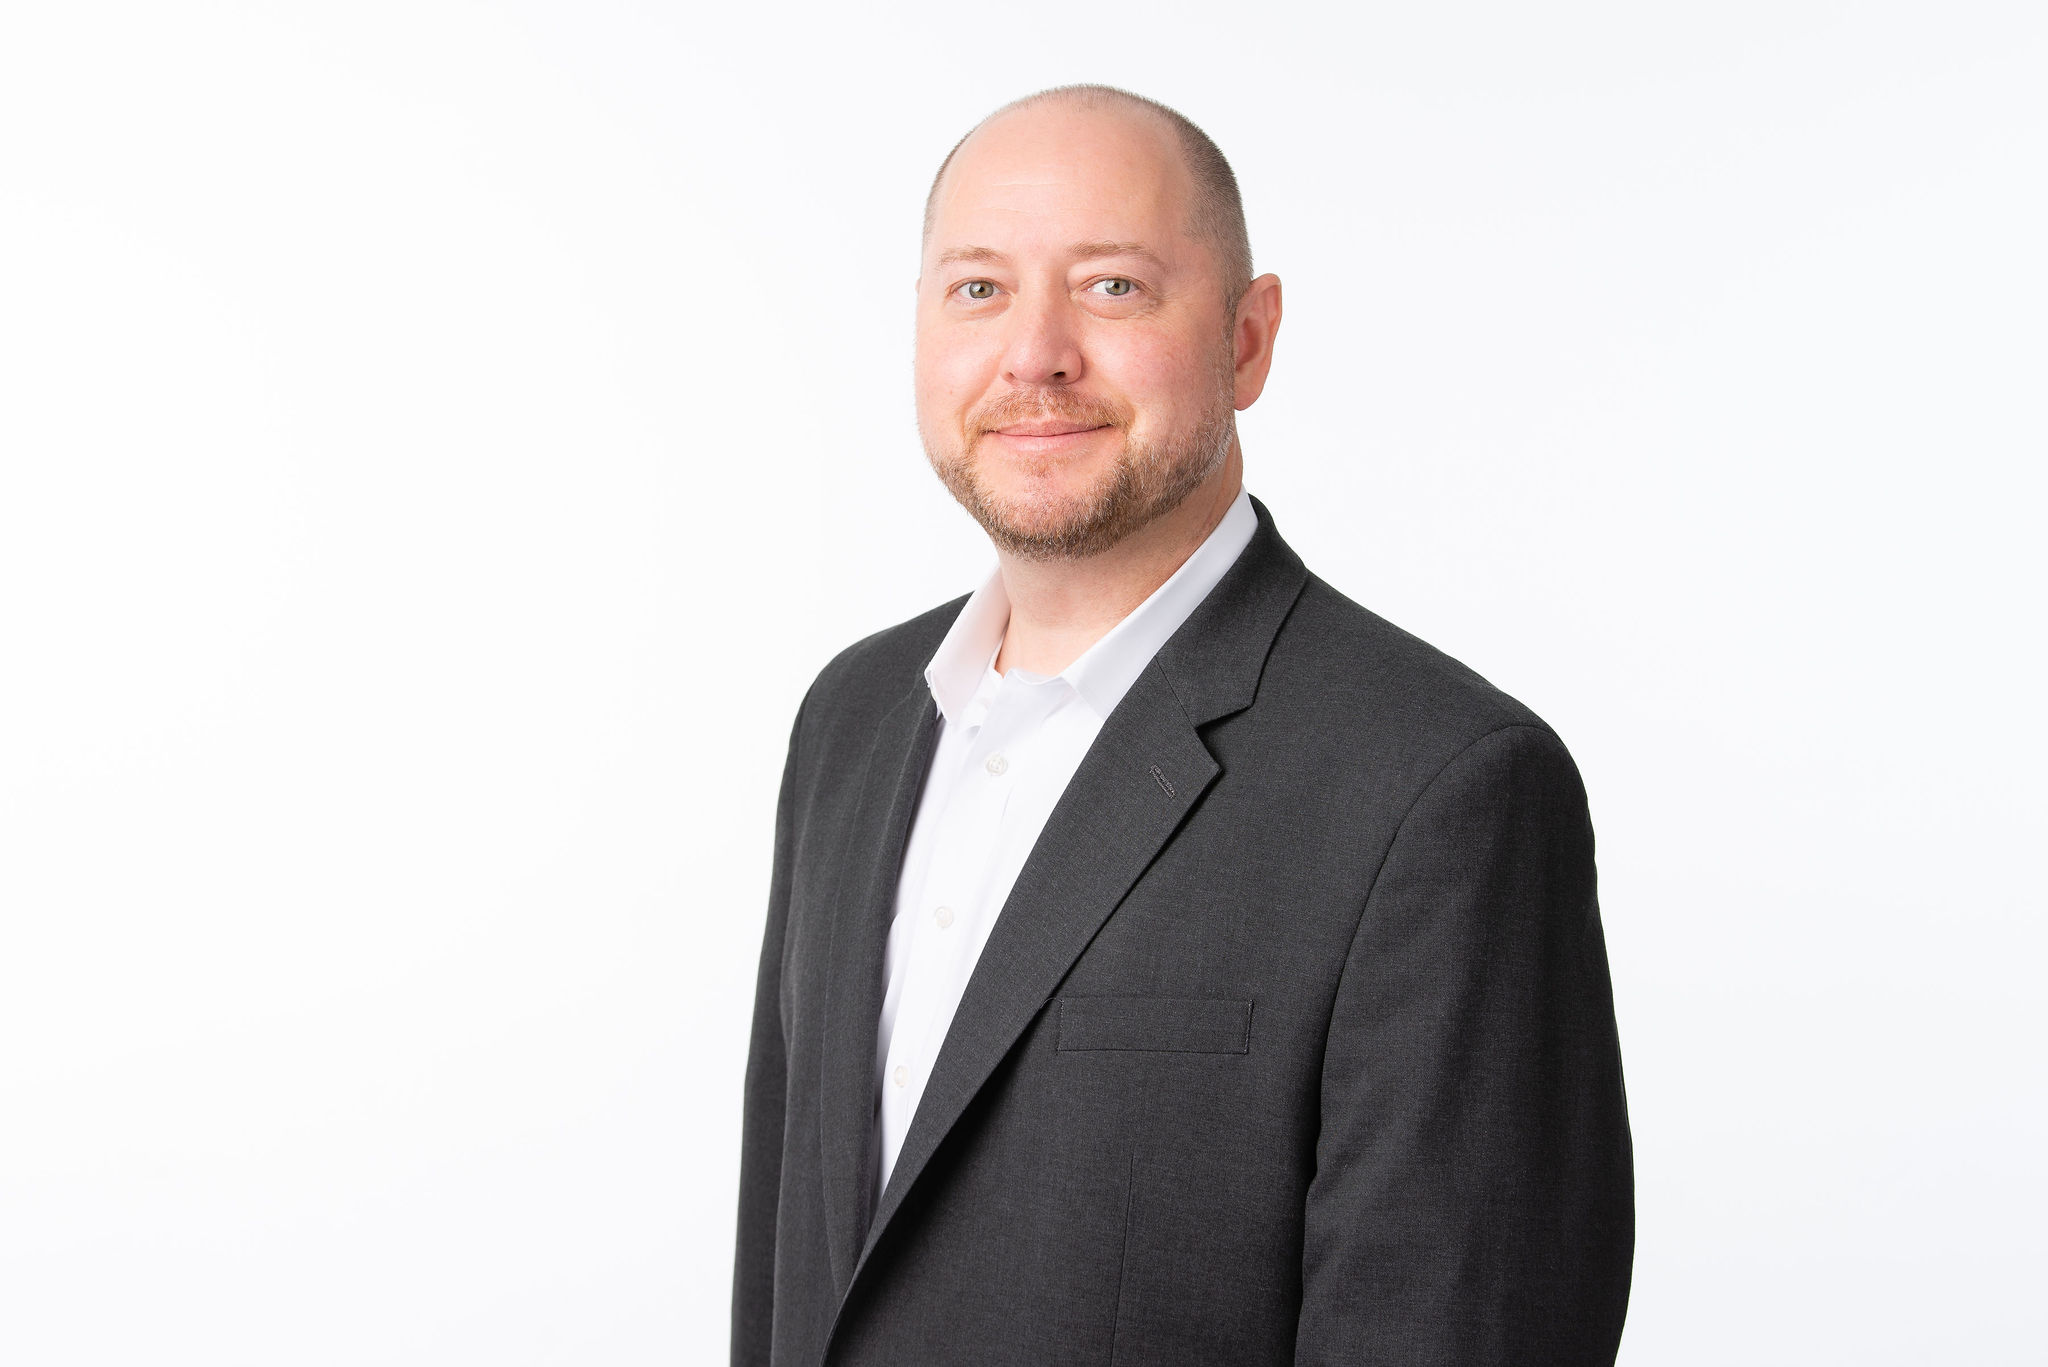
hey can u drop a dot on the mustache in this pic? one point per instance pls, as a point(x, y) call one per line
point(1028, 405)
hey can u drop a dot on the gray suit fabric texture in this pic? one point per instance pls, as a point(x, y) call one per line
point(1293, 1042)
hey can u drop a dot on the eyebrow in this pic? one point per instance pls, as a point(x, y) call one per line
point(1080, 250)
point(1103, 247)
point(987, 255)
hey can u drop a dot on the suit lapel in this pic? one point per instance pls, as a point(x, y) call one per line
point(897, 762)
point(1146, 770)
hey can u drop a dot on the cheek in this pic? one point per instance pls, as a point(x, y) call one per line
point(950, 373)
point(1163, 379)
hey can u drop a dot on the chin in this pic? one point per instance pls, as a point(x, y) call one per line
point(1053, 497)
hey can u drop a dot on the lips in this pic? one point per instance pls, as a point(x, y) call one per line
point(1057, 428)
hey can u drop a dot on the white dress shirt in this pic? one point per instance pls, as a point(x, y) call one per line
point(1007, 746)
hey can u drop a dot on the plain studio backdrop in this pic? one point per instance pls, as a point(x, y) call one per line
point(439, 443)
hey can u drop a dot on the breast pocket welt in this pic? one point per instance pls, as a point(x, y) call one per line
point(1164, 1025)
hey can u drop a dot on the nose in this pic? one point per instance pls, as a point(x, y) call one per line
point(1044, 342)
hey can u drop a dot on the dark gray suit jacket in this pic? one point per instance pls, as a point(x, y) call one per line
point(1293, 1042)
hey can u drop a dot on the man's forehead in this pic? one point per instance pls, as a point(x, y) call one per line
point(1066, 162)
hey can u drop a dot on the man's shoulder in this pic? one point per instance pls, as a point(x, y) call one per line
point(1348, 680)
point(872, 675)
point(1347, 671)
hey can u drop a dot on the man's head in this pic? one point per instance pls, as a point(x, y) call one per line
point(1087, 324)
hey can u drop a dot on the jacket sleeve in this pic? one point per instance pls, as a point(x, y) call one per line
point(753, 1275)
point(1473, 1203)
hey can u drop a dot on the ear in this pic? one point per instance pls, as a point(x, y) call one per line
point(1258, 321)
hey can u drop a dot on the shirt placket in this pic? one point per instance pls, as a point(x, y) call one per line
point(955, 916)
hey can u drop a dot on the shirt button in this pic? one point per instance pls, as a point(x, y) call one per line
point(901, 1075)
point(996, 765)
point(944, 916)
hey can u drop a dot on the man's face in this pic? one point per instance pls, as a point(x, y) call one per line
point(1074, 357)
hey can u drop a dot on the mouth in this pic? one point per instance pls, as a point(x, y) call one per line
point(1047, 438)
point(1053, 427)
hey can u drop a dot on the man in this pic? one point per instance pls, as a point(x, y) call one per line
point(1167, 960)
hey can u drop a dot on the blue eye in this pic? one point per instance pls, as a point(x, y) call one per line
point(978, 290)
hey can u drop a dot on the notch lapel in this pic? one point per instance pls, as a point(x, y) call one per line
point(897, 761)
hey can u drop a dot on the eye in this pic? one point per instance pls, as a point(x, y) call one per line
point(978, 290)
point(1114, 286)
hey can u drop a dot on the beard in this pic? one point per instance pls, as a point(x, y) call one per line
point(1146, 480)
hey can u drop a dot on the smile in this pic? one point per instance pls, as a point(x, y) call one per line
point(1045, 436)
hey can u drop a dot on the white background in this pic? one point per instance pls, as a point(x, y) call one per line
point(440, 442)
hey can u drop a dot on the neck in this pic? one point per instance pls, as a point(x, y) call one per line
point(1058, 608)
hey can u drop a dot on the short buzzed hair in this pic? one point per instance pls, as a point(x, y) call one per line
point(1218, 216)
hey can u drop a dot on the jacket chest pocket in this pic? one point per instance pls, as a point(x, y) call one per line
point(1170, 1025)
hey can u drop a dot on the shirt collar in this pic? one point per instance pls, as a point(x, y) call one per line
point(1106, 670)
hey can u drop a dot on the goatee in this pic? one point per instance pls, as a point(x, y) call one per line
point(1146, 481)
